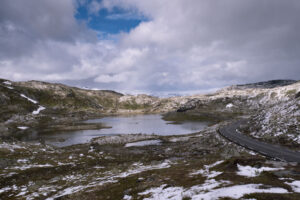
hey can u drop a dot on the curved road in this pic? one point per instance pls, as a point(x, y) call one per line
point(274, 151)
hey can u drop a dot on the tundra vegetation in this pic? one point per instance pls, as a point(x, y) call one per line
point(201, 165)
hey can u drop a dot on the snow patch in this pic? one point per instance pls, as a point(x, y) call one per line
point(237, 191)
point(206, 172)
point(295, 185)
point(249, 171)
point(99, 167)
point(67, 191)
point(36, 112)
point(9, 87)
point(143, 143)
point(172, 193)
point(11, 147)
point(22, 160)
point(7, 82)
point(179, 139)
point(252, 153)
point(110, 178)
point(207, 193)
point(214, 164)
point(29, 99)
point(24, 167)
point(127, 197)
point(230, 105)
point(140, 168)
point(22, 127)
point(5, 189)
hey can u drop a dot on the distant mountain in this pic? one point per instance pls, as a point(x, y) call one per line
point(267, 84)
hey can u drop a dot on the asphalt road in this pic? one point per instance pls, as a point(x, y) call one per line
point(274, 151)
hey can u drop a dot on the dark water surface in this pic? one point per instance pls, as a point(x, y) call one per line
point(133, 124)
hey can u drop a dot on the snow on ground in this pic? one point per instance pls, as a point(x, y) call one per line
point(179, 139)
point(127, 197)
point(5, 189)
point(206, 171)
point(279, 113)
point(7, 83)
point(136, 168)
point(252, 152)
point(67, 191)
point(40, 108)
point(279, 108)
point(24, 167)
point(29, 99)
point(99, 167)
point(11, 146)
point(22, 127)
point(249, 171)
point(214, 164)
point(212, 189)
point(9, 87)
point(230, 105)
point(280, 119)
point(22, 160)
point(173, 193)
point(139, 167)
point(207, 191)
point(36, 112)
point(143, 143)
point(76, 183)
point(295, 185)
point(237, 191)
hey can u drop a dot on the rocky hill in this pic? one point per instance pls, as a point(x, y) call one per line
point(272, 106)
point(64, 99)
point(273, 109)
point(41, 104)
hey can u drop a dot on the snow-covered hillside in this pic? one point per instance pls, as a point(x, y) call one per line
point(279, 117)
point(274, 110)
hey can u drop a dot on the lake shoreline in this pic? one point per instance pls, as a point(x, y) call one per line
point(85, 131)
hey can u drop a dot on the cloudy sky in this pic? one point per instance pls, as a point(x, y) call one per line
point(152, 46)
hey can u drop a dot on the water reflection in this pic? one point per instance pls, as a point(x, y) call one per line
point(146, 124)
point(134, 124)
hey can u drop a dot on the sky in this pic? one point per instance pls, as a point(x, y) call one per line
point(157, 46)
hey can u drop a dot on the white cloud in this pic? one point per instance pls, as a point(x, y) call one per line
point(94, 7)
point(126, 16)
point(122, 77)
point(184, 45)
point(58, 61)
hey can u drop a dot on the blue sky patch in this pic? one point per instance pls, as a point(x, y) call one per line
point(109, 22)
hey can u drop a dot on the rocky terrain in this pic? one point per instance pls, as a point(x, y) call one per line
point(202, 165)
point(39, 106)
point(273, 109)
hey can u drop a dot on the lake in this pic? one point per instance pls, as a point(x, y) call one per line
point(132, 124)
